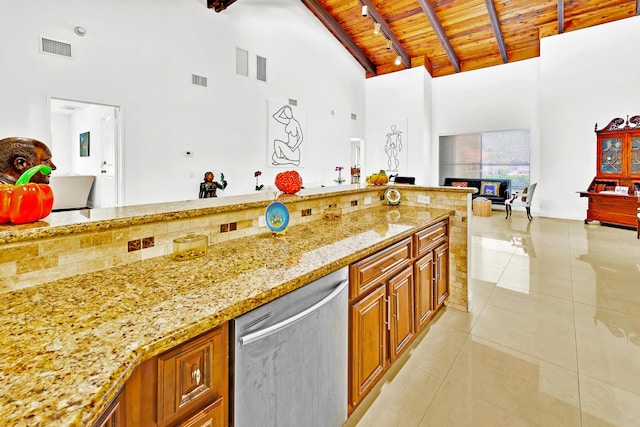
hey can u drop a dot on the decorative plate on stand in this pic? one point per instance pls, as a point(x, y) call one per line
point(277, 217)
point(392, 195)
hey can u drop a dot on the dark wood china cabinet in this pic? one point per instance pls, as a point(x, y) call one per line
point(614, 193)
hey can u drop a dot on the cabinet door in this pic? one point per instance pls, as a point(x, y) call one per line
point(610, 155)
point(423, 284)
point(402, 317)
point(211, 416)
point(441, 272)
point(634, 155)
point(113, 416)
point(368, 344)
point(192, 375)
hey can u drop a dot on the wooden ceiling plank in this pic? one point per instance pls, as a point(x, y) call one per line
point(384, 27)
point(332, 25)
point(560, 16)
point(219, 5)
point(495, 23)
point(428, 10)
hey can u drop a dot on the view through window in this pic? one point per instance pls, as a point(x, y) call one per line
point(501, 154)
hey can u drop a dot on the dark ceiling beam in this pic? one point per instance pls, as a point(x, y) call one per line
point(428, 10)
point(219, 5)
point(495, 23)
point(332, 25)
point(637, 7)
point(384, 28)
point(560, 16)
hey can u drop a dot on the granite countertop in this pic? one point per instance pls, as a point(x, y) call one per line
point(69, 346)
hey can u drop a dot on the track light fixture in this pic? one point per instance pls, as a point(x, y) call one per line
point(389, 44)
point(376, 28)
point(365, 10)
point(398, 60)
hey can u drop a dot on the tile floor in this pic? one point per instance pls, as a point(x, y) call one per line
point(553, 338)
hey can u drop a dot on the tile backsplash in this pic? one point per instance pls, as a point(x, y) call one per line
point(33, 262)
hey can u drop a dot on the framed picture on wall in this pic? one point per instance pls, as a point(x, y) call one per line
point(85, 142)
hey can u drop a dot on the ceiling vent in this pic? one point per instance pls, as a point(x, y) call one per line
point(353, 116)
point(198, 80)
point(293, 102)
point(55, 47)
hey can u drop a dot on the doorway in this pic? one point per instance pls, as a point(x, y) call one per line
point(86, 140)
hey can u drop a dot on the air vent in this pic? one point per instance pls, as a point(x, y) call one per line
point(242, 62)
point(55, 47)
point(198, 80)
point(353, 116)
point(293, 102)
point(261, 68)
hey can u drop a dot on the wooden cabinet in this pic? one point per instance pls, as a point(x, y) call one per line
point(393, 295)
point(191, 375)
point(368, 343)
point(114, 415)
point(185, 386)
point(614, 193)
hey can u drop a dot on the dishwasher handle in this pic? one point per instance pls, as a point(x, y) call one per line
point(254, 336)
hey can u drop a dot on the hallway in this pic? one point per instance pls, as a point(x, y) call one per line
point(553, 338)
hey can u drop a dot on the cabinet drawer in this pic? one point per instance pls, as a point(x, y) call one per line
point(429, 238)
point(211, 416)
point(366, 273)
point(192, 374)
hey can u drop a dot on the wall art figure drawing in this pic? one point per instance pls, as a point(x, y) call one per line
point(393, 148)
point(285, 134)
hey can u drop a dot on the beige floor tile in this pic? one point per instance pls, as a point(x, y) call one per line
point(608, 345)
point(607, 405)
point(528, 283)
point(622, 294)
point(437, 351)
point(453, 407)
point(540, 267)
point(545, 340)
point(480, 290)
point(535, 390)
point(460, 320)
point(403, 401)
point(537, 305)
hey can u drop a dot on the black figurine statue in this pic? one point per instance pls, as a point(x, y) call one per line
point(209, 187)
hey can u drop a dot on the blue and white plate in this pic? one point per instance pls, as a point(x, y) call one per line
point(277, 217)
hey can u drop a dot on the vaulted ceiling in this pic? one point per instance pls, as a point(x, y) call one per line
point(451, 36)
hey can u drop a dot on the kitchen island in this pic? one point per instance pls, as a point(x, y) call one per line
point(69, 345)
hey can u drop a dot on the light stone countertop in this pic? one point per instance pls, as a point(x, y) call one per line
point(69, 346)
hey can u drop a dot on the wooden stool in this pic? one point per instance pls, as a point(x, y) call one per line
point(481, 207)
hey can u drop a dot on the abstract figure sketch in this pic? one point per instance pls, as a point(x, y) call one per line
point(394, 145)
point(285, 134)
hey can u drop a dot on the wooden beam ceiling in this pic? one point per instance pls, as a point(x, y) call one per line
point(219, 5)
point(495, 24)
point(332, 25)
point(448, 36)
point(560, 16)
point(384, 27)
point(428, 10)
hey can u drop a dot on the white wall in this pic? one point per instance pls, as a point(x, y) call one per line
point(401, 95)
point(580, 78)
point(586, 77)
point(140, 56)
point(496, 98)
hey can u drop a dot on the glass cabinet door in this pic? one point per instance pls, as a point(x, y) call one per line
point(634, 156)
point(611, 156)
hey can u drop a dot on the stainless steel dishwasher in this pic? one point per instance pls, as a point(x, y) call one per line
point(291, 358)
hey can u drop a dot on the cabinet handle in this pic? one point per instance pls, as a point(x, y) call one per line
point(388, 322)
point(195, 375)
point(383, 269)
point(397, 316)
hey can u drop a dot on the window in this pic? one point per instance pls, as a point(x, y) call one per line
point(503, 154)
